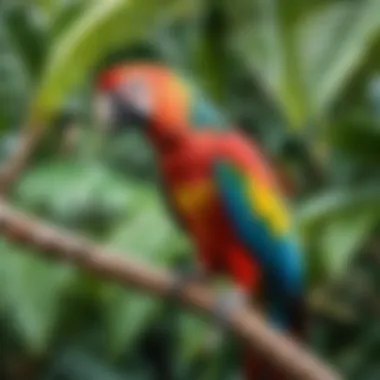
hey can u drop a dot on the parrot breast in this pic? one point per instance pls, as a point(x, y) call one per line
point(187, 174)
point(193, 198)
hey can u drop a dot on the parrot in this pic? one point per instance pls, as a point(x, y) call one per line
point(221, 190)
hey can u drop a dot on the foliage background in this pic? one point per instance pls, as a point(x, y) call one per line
point(301, 77)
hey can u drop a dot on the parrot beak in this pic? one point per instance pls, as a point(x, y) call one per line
point(112, 114)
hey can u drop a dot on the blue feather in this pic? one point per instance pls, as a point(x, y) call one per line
point(279, 256)
point(205, 114)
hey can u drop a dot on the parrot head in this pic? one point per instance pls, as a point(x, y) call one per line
point(152, 97)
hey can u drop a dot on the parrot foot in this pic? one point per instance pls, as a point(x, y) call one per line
point(183, 278)
point(226, 304)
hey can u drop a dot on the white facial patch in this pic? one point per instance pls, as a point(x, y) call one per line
point(137, 94)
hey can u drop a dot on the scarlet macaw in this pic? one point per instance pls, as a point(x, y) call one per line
point(219, 186)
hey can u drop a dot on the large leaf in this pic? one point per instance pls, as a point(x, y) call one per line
point(103, 25)
point(127, 314)
point(15, 79)
point(76, 364)
point(32, 291)
point(28, 33)
point(150, 234)
point(195, 336)
point(332, 204)
point(305, 62)
point(267, 47)
point(341, 240)
point(334, 42)
point(62, 15)
point(74, 192)
point(334, 226)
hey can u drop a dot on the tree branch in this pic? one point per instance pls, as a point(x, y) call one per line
point(278, 350)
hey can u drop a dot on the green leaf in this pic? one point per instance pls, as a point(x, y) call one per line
point(342, 239)
point(322, 221)
point(127, 314)
point(15, 79)
point(268, 48)
point(47, 5)
point(194, 333)
point(28, 35)
point(149, 236)
point(32, 290)
point(59, 15)
point(165, 241)
point(68, 191)
point(76, 364)
point(305, 62)
point(326, 206)
point(334, 42)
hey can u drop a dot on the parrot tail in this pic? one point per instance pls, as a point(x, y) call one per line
point(300, 318)
point(256, 368)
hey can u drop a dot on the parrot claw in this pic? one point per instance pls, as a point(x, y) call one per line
point(184, 278)
point(226, 305)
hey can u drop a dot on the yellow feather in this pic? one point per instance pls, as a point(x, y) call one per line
point(267, 204)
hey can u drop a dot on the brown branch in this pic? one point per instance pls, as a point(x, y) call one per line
point(278, 350)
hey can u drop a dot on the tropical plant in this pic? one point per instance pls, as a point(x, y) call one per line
point(296, 76)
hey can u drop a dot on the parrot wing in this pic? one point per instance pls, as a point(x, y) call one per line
point(260, 219)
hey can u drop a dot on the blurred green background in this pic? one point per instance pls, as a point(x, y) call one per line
point(300, 76)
